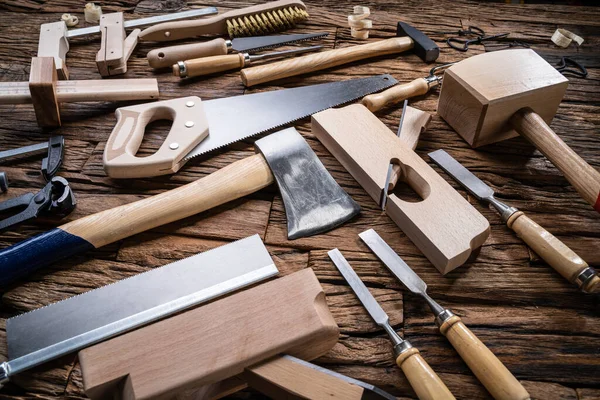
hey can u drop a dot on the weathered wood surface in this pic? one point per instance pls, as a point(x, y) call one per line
point(545, 331)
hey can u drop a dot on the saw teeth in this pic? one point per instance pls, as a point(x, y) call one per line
point(270, 46)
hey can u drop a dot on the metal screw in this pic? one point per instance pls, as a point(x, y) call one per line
point(189, 124)
point(190, 104)
point(174, 146)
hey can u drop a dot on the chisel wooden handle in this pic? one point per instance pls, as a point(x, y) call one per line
point(425, 382)
point(560, 257)
point(395, 94)
point(584, 178)
point(231, 182)
point(167, 56)
point(490, 371)
point(209, 65)
point(325, 59)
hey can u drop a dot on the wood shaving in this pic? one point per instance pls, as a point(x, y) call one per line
point(359, 25)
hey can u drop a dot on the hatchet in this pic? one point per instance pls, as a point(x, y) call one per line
point(499, 95)
point(313, 201)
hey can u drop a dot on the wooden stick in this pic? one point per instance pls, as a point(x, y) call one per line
point(395, 94)
point(167, 56)
point(425, 382)
point(325, 59)
point(210, 65)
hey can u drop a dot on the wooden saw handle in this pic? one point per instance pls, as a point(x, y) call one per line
point(231, 182)
point(210, 65)
point(325, 59)
point(375, 102)
point(425, 382)
point(490, 371)
point(167, 56)
point(584, 178)
point(560, 257)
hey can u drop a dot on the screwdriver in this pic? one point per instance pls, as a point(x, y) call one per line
point(211, 65)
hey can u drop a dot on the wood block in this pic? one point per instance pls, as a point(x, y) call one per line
point(115, 46)
point(444, 226)
point(42, 86)
point(53, 42)
point(213, 342)
point(481, 93)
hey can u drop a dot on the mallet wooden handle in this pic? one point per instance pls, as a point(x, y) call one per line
point(490, 371)
point(167, 56)
point(560, 257)
point(231, 182)
point(325, 59)
point(584, 178)
point(375, 102)
point(425, 382)
point(210, 65)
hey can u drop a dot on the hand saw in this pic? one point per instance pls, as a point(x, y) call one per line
point(78, 322)
point(201, 126)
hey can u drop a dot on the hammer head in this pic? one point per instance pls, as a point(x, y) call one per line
point(313, 201)
point(424, 47)
point(481, 93)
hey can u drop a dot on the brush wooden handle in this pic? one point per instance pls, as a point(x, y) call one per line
point(584, 178)
point(560, 257)
point(325, 59)
point(425, 382)
point(490, 371)
point(375, 102)
point(210, 65)
point(231, 182)
point(167, 56)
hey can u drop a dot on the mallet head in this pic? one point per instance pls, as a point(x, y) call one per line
point(480, 94)
point(424, 47)
point(314, 202)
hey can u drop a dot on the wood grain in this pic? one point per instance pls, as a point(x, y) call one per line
point(552, 329)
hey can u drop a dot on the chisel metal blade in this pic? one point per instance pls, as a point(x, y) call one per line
point(72, 324)
point(249, 44)
point(232, 119)
point(393, 261)
point(473, 184)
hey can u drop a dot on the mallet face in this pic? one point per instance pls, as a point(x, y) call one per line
point(481, 93)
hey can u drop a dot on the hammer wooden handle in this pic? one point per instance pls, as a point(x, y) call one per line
point(425, 382)
point(584, 178)
point(210, 65)
point(490, 371)
point(167, 56)
point(560, 257)
point(325, 59)
point(231, 182)
point(395, 94)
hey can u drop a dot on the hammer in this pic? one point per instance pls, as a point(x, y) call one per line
point(313, 201)
point(498, 95)
point(408, 38)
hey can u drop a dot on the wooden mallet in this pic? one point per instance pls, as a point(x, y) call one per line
point(498, 95)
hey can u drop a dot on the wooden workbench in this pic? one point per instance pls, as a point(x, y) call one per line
point(542, 328)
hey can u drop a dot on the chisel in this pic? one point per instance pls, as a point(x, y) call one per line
point(560, 257)
point(425, 382)
point(490, 371)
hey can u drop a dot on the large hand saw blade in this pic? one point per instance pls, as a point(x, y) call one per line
point(91, 317)
point(235, 118)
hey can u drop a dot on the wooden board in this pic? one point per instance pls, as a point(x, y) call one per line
point(533, 319)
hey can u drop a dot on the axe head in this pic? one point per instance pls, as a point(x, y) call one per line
point(314, 202)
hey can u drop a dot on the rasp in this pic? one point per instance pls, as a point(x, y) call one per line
point(422, 378)
point(77, 322)
point(557, 254)
point(202, 126)
point(490, 371)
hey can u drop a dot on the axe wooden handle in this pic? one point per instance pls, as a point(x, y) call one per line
point(231, 182)
point(325, 59)
point(584, 178)
point(167, 56)
point(375, 102)
point(210, 65)
point(490, 371)
point(425, 382)
point(560, 257)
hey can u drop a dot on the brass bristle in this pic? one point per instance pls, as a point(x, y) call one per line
point(264, 23)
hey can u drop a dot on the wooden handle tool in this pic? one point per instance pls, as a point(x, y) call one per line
point(490, 371)
point(375, 102)
point(167, 56)
point(584, 178)
point(326, 59)
point(424, 381)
